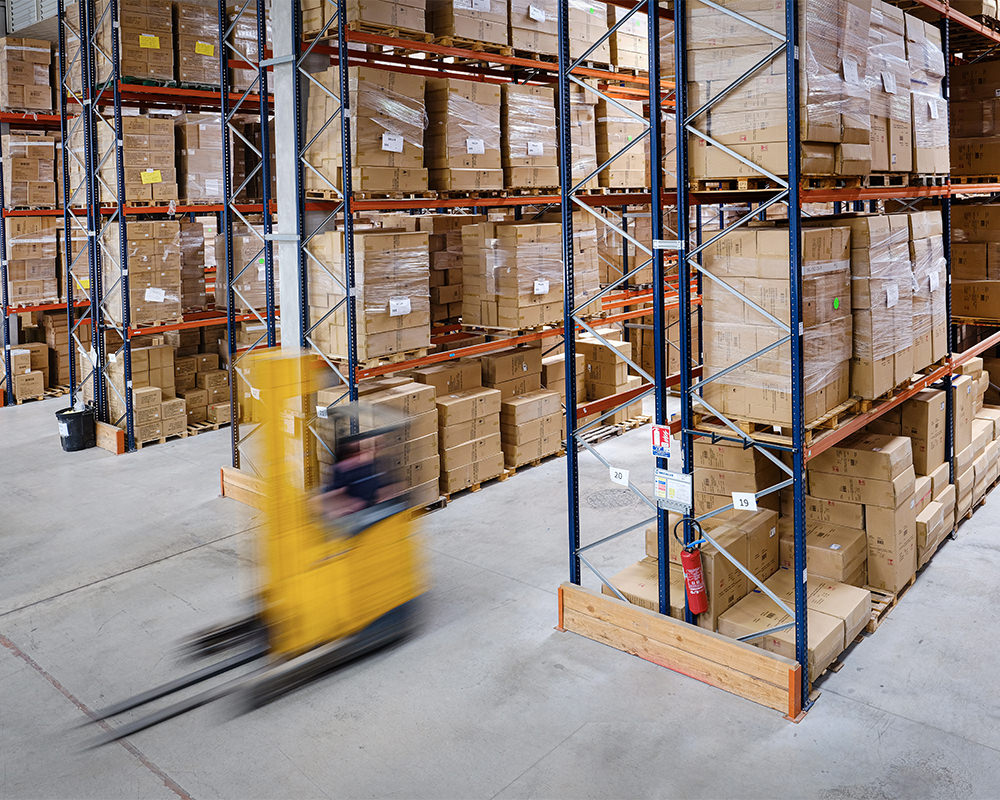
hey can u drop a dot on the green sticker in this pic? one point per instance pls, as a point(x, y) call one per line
point(836, 302)
point(628, 138)
point(260, 260)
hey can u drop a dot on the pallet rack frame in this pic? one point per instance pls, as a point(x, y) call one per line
point(790, 194)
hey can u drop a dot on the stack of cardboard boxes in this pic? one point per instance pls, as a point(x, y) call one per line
point(881, 304)
point(929, 319)
point(513, 371)
point(445, 245)
point(197, 27)
point(875, 471)
point(755, 261)
point(532, 27)
point(480, 20)
point(202, 384)
point(606, 374)
point(588, 23)
point(192, 246)
point(156, 415)
point(199, 168)
point(834, 104)
point(554, 379)
point(25, 383)
point(974, 124)
point(25, 75)
point(468, 426)
point(146, 40)
point(392, 275)
point(148, 153)
point(56, 329)
point(29, 169)
point(528, 141)
point(531, 426)
point(154, 271)
point(463, 135)
point(32, 260)
point(615, 130)
point(928, 117)
point(250, 287)
point(388, 119)
point(244, 22)
point(152, 367)
point(583, 135)
point(888, 77)
point(499, 260)
point(975, 258)
point(407, 15)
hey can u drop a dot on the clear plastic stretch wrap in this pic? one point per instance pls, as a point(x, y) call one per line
point(243, 40)
point(197, 38)
point(755, 263)
point(834, 95)
point(145, 37)
point(583, 133)
point(888, 79)
point(929, 111)
point(192, 243)
point(32, 258)
point(392, 276)
point(926, 251)
point(29, 171)
point(463, 135)
point(148, 153)
point(588, 22)
point(199, 168)
point(882, 301)
point(26, 78)
point(512, 274)
point(529, 136)
point(586, 271)
point(154, 272)
point(248, 269)
point(388, 121)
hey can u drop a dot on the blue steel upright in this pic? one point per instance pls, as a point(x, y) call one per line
point(8, 373)
point(569, 293)
point(659, 312)
point(797, 359)
point(683, 269)
point(951, 334)
point(265, 170)
point(67, 230)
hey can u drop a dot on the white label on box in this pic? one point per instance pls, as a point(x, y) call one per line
point(932, 108)
point(475, 147)
point(255, 393)
point(63, 429)
point(322, 412)
point(155, 295)
point(850, 70)
point(541, 286)
point(935, 281)
point(536, 149)
point(744, 501)
point(834, 546)
point(891, 295)
point(618, 475)
point(481, 5)
point(889, 82)
point(536, 13)
point(398, 306)
point(113, 358)
point(392, 142)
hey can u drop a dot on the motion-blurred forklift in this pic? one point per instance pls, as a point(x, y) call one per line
point(340, 569)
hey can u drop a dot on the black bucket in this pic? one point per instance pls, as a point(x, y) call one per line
point(77, 429)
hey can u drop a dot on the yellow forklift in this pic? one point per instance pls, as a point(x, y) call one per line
point(340, 570)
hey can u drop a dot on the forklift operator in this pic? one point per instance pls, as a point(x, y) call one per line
point(356, 481)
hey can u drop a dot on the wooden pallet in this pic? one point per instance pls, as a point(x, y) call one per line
point(392, 358)
point(765, 431)
point(377, 28)
point(916, 179)
point(745, 184)
point(534, 462)
point(160, 440)
point(447, 497)
point(635, 422)
point(975, 179)
point(887, 179)
point(474, 45)
point(883, 602)
point(204, 427)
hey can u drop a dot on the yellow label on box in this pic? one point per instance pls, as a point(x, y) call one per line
point(84, 283)
point(149, 41)
point(151, 176)
point(204, 48)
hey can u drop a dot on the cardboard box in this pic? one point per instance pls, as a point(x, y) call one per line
point(923, 421)
point(845, 514)
point(843, 601)
point(640, 585)
point(834, 552)
point(449, 378)
point(892, 552)
point(219, 413)
point(869, 491)
point(467, 405)
point(866, 455)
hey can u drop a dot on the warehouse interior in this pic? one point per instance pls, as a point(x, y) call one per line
point(425, 397)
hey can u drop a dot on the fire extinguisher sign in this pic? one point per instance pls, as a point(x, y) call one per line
point(661, 441)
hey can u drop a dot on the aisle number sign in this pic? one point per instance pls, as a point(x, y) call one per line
point(661, 441)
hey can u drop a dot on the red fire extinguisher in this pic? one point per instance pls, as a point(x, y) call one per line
point(694, 580)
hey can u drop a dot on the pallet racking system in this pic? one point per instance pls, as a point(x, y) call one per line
point(88, 105)
point(780, 683)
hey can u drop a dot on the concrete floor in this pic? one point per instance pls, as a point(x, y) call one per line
point(107, 561)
